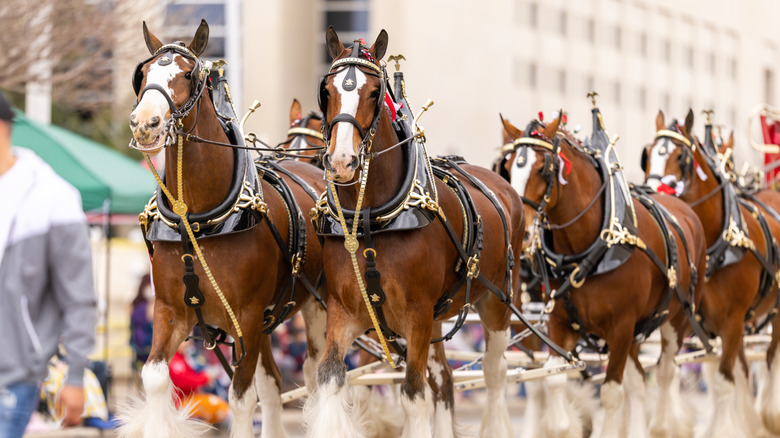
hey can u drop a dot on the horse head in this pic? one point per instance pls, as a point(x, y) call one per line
point(167, 86)
point(669, 161)
point(534, 169)
point(351, 98)
point(304, 137)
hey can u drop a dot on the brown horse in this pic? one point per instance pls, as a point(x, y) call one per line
point(741, 268)
point(304, 138)
point(768, 202)
point(249, 265)
point(563, 190)
point(420, 265)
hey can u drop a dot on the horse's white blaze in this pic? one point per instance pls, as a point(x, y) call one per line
point(349, 105)
point(153, 102)
point(520, 175)
point(495, 416)
point(657, 161)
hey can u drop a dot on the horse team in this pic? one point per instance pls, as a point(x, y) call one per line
point(446, 237)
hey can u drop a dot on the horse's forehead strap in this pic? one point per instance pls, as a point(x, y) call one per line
point(176, 47)
point(671, 134)
point(528, 141)
point(356, 61)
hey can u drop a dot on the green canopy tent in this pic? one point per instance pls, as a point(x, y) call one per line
point(104, 177)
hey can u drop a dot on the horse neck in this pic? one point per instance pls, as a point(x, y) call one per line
point(583, 184)
point(207, 170)
point(385, 172)
point(711, 210)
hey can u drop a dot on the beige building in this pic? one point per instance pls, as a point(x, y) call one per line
point(519, 57)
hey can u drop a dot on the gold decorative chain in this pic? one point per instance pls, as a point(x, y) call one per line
point(351, 244)
point(180, 208)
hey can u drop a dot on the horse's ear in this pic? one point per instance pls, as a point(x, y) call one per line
point(380, 45)
point(295, 111)
point(152, 42)
point(659, 121)
point(689, 122)
point(333, 43)
point(201, 38)
point(510, 132)
point(552, 127)
point(729, 144)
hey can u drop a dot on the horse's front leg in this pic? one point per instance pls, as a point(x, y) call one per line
point(495, 321)
point(330, 411)
point(315, 318)
point(156, 415)
point(440, 382)
point(770, 402)
point(671, 418)
point(415, 393)
point(257, 377)
point(561, 418)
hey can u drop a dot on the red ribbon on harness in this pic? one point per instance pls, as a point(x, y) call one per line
point(392, 106)
point(663, 188)
point(566, 163)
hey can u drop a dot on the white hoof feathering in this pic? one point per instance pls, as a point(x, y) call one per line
point(156, 415)
point(495, 415)
point(561, 418)
point(331, 411)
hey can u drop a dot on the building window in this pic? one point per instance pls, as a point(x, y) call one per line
point(617, 89)
point(562, 81)
point(590, 85)
point(666, 53)
point(533, 12)
point(733, 68)
point(769, 91)
point(642, 100)
point(590, 30)
point(618, 38)
point(348, 18)
point(666, 102)
point(182, 17)
point(532, 75)
point(643, 45)
point(689, 57)
point(563, 23)
point(711, 61)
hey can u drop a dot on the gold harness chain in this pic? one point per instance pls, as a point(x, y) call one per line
point(351, 244)
point(180, 208)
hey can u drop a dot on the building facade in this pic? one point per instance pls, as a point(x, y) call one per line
point(515, 57)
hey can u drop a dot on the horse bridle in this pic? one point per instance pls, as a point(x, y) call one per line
point(198, 84)
point(685, 159)
point(353, 62)
point(550, 152)
point(299, 130)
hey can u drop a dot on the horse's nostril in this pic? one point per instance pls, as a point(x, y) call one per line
point(154, 122)
point(133, 123)
point(353, 164)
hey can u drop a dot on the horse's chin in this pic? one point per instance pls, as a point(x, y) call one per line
point(152, 147)
point(343, 178)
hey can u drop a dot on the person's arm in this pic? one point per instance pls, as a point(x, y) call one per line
point(70, 268)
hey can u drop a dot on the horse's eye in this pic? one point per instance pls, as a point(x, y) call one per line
point(375, 94)
point(188, 75)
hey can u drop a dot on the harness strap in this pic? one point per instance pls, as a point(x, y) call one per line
point(193, 297)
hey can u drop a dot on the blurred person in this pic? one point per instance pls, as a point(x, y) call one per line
point(192, 382)
point(141, 322)
point(46, 284)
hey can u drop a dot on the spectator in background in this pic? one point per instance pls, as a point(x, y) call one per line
point(191, 384)
point(141, 320)
point(46, 284)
